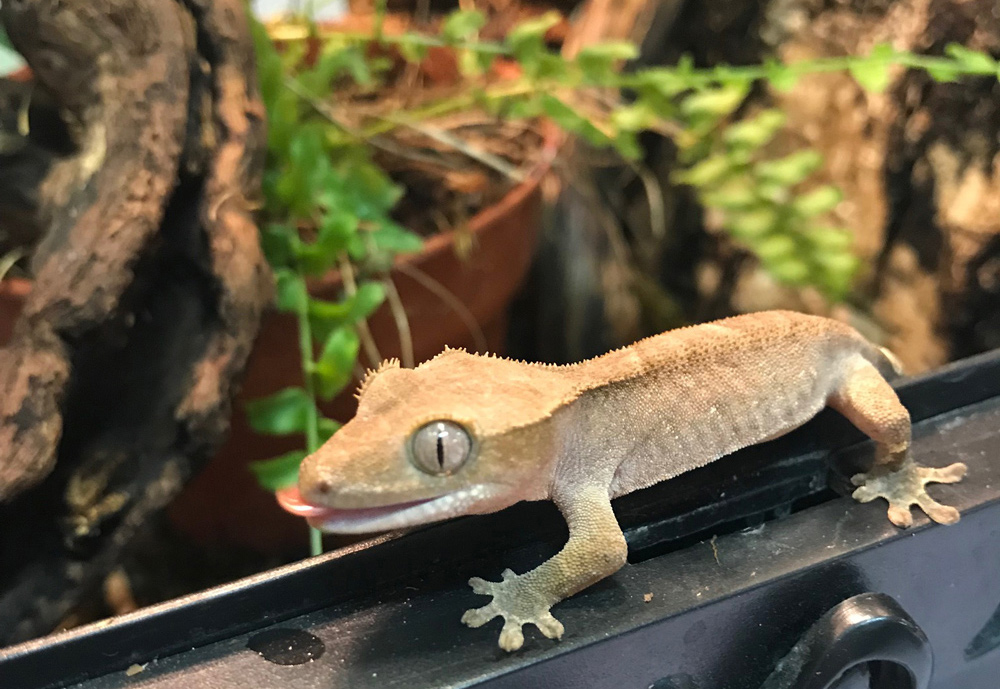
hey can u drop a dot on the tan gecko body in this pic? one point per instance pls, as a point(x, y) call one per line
point(468, 434)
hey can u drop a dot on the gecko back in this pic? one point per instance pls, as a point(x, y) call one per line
point(680, 400)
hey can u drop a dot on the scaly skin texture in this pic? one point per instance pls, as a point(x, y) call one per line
point(583, 434)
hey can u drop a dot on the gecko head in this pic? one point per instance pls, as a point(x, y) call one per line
point(460, 434)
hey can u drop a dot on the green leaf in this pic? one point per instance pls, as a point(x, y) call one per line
point(269, 69)
point(756, 131)
point(818, 201)
point(628, 146)
point(884, 52)
point(831, 239)
point(972, 61)
point(789, 270)
point(368, 297)
point(335, 231)
point(778, 247)
point(412, 47)
point(532, 30)
point(526, 42)
point(599, 62)
point(335, 366)
point(711, 170)
point(521, 108)
point(327, 316)
point(754, 224)
point(283, 413)
point(291, 294)
point(837, 261)
point(838, 273)
point(337, 59)
point(791, 169)
point(306, 172)
point(714, 103)
point(395, 239)
point(872, 76)
point(462, 24)
point(780, 76)
point(944, 73)
point(278, 241)
point(572, 121)
point(609, 51)
point(283, 120)
point(361, 187)
point(662, 81)
point(474, 63)
point(633, 118)
point(733, 195)
point(279, 472)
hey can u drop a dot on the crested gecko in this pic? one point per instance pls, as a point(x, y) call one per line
point(469, 434)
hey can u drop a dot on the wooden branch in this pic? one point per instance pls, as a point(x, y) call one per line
point(148, 291)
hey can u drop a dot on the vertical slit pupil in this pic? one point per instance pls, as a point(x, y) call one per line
point(440, 449)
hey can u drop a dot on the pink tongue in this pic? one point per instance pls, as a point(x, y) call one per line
point(291, 500)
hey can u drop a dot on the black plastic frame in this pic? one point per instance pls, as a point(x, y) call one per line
point(690, 611)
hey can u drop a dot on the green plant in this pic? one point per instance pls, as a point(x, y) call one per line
point(327, 204)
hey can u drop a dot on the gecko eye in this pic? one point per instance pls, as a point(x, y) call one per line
point(441, 447)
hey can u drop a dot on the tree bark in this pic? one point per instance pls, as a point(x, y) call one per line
point(148, 285)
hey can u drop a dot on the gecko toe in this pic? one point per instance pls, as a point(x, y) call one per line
point(900, 516)
point(477, 617)
point(481, 586)
point(511, 637)
point(550, 626)
point(859, 479)
point(949, 474)
point(864, 493)
point(942, 514)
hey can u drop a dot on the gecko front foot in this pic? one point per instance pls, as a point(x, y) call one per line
point(519, 603)
point(903, 486)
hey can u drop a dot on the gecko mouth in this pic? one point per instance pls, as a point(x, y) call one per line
point(370, 519)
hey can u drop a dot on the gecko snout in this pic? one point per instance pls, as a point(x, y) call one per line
point(315, 484)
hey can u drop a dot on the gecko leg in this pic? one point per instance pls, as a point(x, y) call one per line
point(871, 404)
point(595, 550)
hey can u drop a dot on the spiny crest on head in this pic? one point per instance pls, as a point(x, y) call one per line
point(370, 375)
point(453, 351)
point(448, 351)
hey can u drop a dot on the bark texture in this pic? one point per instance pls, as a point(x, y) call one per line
point(148, 284)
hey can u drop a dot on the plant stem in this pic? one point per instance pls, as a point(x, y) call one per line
point(312, 420)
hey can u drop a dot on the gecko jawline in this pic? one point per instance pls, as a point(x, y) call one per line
point(362, 520)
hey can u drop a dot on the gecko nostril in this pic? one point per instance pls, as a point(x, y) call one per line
point(323, 486)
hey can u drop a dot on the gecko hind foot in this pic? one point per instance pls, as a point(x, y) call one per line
point(904, 486)
point(518, 604)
